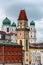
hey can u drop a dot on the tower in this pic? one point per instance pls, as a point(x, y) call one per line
point(23, 35)
point(13, 27)
point(32, 33)
point(9, 29)
point(6, 25)
point(13, 31)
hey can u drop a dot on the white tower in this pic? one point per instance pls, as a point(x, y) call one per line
point(6, 25)
point(13, 27)
point(32, 33)
point(13, 31)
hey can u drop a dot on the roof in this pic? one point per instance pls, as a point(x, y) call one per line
point(13, 24)
point(32, 23)
point(2, 32)
point(36, 45)
point(6, 21)
point(8, 43)
point(22, 15)
point(11, 33)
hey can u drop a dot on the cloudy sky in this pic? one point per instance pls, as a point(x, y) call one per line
point(33, 8)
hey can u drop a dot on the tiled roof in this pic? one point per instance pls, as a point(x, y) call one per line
point(2, 32)
point(7, 43)
point(10, 33)
point(38, 45)
point(22, 15)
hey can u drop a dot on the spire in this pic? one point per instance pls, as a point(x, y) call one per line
point(22, 15)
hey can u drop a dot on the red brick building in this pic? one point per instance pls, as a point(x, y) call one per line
point(10, 54)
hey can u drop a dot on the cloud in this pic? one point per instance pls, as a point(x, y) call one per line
point(2, 16)
point(39, 25)
point(39, 30)
point(34, 11)
point(39, 37)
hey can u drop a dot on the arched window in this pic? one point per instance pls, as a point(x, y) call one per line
point(26, 44)
point(21, 42)
point(7, 29)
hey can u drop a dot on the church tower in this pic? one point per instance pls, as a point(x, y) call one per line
point(10, 30)
point(23, 35)
point(32, 33)
point(6, 25)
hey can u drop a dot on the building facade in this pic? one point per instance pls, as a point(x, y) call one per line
point(10, 54)
point(35, 54)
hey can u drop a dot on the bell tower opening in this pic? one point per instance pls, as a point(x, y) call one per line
point(26, 45)
point(21, 42)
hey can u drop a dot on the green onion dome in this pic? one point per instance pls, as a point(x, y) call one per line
point(13, 24)
point(6, 21)
point(32, 23)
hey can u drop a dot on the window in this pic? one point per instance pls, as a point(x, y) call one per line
point(26, 54)
point(31, 28)
point(12, 29)
point(21, 42)
point(3, 36)
point(7, 29)
point(20, 23)
point(27, 60)
point(26, 44)
point(30, 62)
point(31, 35)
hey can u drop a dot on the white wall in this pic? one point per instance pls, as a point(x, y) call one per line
point(8, 37)
point(4, 28)
point(0, 36)
point(13, 38)
point(13, 29)
point(33, 34)
point(42, 57)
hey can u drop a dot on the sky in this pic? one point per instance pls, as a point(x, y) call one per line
point(34, 11)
